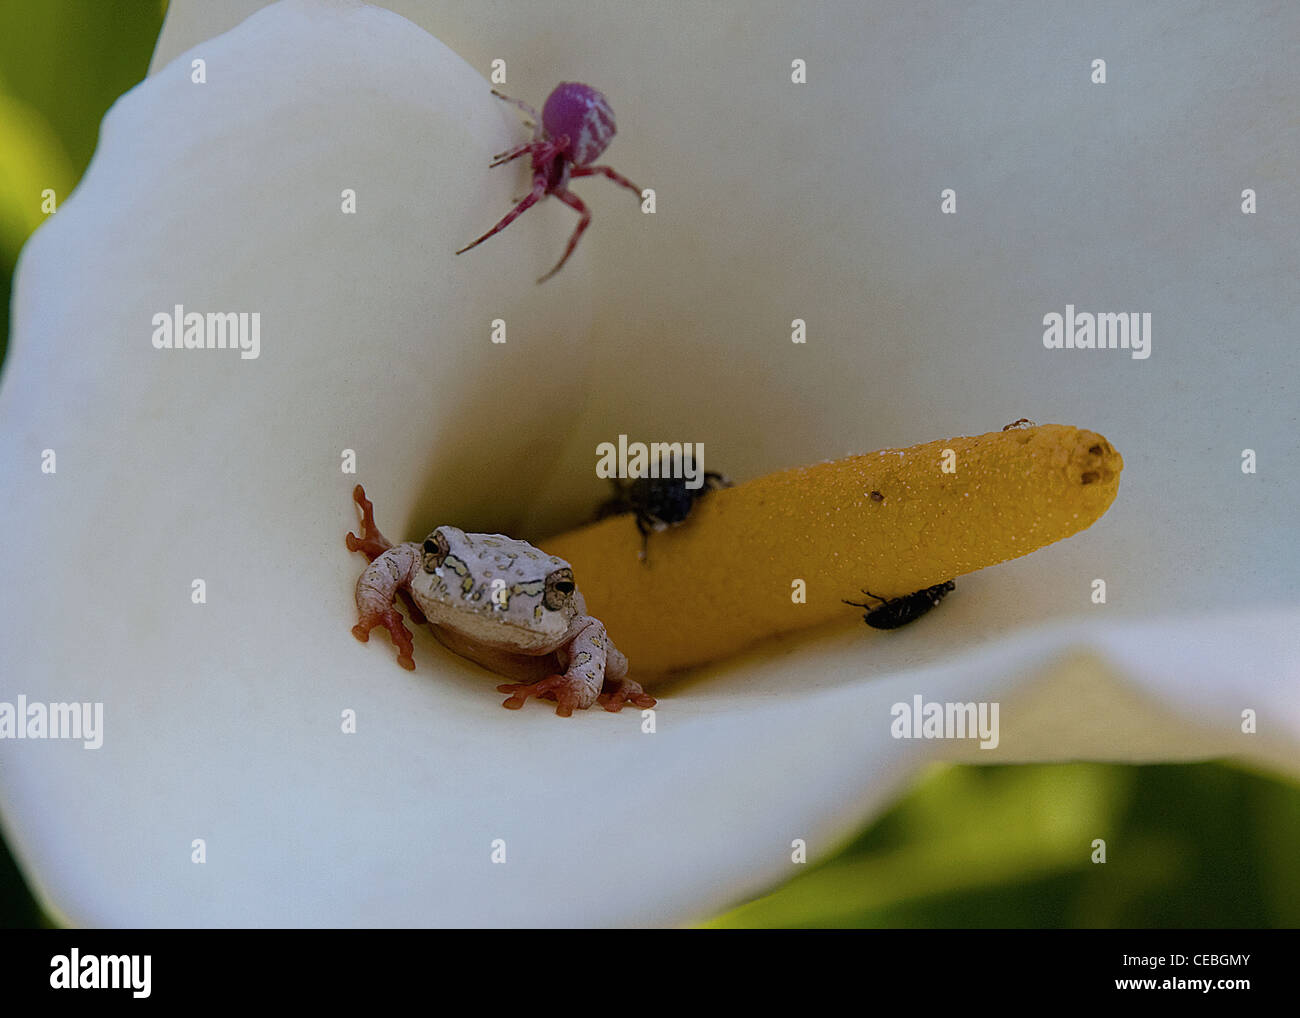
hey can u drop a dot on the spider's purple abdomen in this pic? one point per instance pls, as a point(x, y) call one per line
point(583, 114)
point(574, 127)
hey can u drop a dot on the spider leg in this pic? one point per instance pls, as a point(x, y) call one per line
point(574, 202)
point(536, 195)
point(608, 171)
point(537, 120)
point(501, 158)
point(543, 153)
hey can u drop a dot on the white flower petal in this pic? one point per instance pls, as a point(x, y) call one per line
point(775, 201)
point(173, 465)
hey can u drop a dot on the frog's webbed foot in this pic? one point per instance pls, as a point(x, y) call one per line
point(619, 693)
point(568, 692)
point(377, 588)
point(587, 658)
point(371, 542)
point(391, 619)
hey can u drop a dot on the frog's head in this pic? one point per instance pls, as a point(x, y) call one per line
point(496, 590)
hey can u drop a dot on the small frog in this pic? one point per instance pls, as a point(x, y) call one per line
point(499, 602)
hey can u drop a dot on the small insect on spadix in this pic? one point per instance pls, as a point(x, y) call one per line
point(574, 128)
point(901, 610)
point(658, 502)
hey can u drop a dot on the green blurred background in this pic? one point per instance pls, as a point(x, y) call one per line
point(1201, 845)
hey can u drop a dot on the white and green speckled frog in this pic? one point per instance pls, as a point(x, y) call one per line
point(499, 602)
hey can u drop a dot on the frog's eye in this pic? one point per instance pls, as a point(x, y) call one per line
point(435, 550)
point(559, 589)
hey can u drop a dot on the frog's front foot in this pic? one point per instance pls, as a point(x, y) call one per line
point(620, 692)
point(371, 543)
point(570, 693)
point(391, 619)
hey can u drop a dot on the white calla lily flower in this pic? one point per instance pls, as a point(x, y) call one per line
point(776, 201)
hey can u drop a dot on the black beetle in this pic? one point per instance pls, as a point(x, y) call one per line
point(902, 610)
point(658, 502)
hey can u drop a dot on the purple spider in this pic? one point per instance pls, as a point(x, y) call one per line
point(575, 127)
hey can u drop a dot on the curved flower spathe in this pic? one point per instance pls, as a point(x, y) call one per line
point(223, 719)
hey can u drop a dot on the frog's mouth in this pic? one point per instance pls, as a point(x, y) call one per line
point(491, 628)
